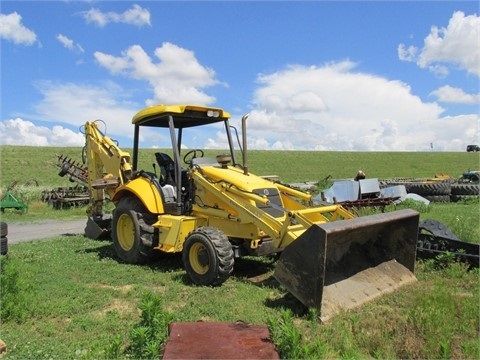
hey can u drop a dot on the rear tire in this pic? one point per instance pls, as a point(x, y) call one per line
point(430, 189)
point(208, 256)
point(3, 229)
point(132, 233)
point(465, 189)
point(4, 239)
point(64, 169)
point(438, 198)
point(4, 246)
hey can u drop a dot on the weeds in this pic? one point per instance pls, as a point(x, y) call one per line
point(150, 334)
point(286, 336)
point(12, 304)
point(114, 349)
point(419, 206)
point(461, 227)
point(289, 340)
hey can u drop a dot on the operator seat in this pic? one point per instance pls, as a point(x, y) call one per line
point(167, 168)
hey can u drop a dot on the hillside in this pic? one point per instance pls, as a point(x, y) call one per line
point(24, 163)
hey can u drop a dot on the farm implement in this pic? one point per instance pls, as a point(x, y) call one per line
point(9, 201)
point(436, 240)
point(66, 197)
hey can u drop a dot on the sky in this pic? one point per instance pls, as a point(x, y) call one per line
point(313, 75)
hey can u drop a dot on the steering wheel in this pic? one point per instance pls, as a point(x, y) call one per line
point(192, 154)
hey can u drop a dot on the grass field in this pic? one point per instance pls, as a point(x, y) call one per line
point(23, 163)
point(70, 297)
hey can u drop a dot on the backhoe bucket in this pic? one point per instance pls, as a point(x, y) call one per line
point(342, 264)
point(98, 228)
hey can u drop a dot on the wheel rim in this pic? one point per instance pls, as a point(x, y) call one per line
point(198, 258)
point(125, 232)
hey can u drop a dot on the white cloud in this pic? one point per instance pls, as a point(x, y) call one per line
point(453, 132)
point(448, 94)
point(22, 132)
point(176, 77)
point(407, 54)
point(12, 29)
point(457, 44)
point(75, 104)
point(335, 108)
point(69, 43)
point(331, 107)
point(137, 16)
point(95, 16)
point(114, 64)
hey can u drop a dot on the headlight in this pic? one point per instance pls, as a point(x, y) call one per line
point(213, 113)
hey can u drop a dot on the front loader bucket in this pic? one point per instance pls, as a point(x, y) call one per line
point(98, 228)
point(343, 264)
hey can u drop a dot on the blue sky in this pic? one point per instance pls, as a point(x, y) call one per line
point(314, 75)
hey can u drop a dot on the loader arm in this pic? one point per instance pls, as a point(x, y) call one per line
point(243, 209)
point(239, 208)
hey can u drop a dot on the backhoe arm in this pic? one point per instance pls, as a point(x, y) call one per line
point(108, 166)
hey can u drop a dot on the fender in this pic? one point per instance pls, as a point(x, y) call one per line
point(146, 190)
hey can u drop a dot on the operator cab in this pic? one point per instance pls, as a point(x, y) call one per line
point(175, 120)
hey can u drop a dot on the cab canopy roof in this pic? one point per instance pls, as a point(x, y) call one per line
point(183, 116)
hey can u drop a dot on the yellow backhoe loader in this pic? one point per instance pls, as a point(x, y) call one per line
point(213, 210)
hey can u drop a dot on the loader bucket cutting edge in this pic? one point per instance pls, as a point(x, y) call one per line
point(342, 264)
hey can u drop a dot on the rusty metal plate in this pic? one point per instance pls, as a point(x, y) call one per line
point(218, 340)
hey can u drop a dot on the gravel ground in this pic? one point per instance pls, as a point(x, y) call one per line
point(44, 229)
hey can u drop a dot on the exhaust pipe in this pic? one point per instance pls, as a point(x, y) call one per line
point(244, 143)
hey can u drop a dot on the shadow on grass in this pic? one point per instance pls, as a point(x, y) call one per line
point(259, 272)
point(104, 252)
point(255, 270)
point(162, 262)
point(288, 301)
point(166, 262)
point(247, 270)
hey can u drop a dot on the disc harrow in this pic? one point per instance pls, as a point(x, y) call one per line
point(73, 169)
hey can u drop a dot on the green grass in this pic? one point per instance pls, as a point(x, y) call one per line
point(23, 164)
point(70, 297)
point(76, 300)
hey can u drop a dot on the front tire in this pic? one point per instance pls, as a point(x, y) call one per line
point(133, 236)
point(208, 256)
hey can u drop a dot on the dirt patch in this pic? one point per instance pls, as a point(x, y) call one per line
point(122, 307)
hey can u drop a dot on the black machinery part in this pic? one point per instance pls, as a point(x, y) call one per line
point(435, 239)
